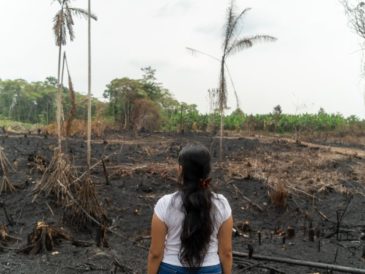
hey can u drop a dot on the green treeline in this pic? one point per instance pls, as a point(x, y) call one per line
point(135, 104)
point(35, 102)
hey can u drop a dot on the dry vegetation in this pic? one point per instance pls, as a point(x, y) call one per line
point(85, 207)
point(78, 128)
point(57, 179)
point(5, 167)
point(311, 169)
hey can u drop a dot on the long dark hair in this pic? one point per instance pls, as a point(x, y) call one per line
point(196, 195)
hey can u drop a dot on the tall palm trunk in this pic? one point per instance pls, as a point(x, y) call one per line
point(89, 90)
point(222, 105)
point(221, 139)
point(59, 99)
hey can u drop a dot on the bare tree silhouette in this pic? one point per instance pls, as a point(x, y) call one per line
point(356, 16)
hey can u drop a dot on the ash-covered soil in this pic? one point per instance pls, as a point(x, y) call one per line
point(271, 183)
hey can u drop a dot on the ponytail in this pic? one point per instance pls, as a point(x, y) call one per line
point(196, 196)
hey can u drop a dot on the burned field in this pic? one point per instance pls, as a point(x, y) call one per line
point(291, 200)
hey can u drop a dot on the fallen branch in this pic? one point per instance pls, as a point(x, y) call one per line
point(332, 267)
point(246, 198)
point(305, 193)
point(323, 216)
point(258, 265)
point(95, 165)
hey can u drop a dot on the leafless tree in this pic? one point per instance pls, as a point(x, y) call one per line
point(355, 11)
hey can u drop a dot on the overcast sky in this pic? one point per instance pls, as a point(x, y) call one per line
point(315, 63)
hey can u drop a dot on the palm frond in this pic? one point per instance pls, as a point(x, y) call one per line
point(248, 42)
point(234, 27)
point(195, 52)
point(69, 22)
point(229, 25)
point(82, 13)
point(59, 28)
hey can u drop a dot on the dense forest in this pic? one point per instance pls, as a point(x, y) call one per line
point(136, 104)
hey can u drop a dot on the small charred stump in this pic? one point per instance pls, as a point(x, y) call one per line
point(311, 234)
point(244, 226)
point(101, 237)
point(290, 232)
point(44, 238)
point(5, 237)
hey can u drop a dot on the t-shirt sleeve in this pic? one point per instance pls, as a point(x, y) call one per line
point(161, 208)
point(224, 209)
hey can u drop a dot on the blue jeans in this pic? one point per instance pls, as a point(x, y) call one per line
point(172, 269)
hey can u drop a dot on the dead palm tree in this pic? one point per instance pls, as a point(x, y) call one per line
point(63, 25)
point(60, 174)
point(232, 44)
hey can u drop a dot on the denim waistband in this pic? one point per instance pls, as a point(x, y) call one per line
point(213, 269)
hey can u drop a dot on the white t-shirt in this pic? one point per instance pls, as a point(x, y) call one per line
point(168, 209)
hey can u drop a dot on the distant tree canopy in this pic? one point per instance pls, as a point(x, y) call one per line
point(34, 102)
point(277, 110)
point(137, 104)
point(129, 98)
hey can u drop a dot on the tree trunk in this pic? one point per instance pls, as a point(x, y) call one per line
point(89, 90)
point(221, 138)
point(181, 119)
point(222, 105)
point(125, 115)
point(58, 98)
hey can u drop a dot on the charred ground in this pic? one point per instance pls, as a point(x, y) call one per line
point(272, 184)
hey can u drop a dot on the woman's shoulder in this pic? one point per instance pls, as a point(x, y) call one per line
point(220, 197)
point(221, 202)
point(163, 205)
point(167, 197)
point(222, 206)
